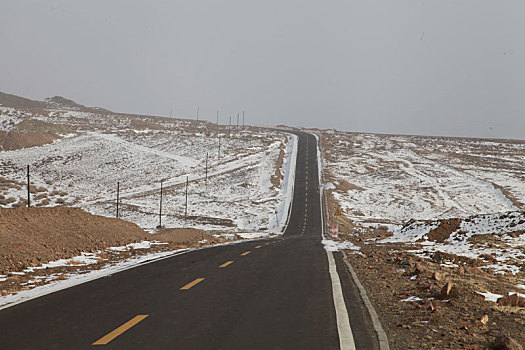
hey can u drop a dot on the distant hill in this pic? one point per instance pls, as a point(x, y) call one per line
point(18, 102)
point(56, 102)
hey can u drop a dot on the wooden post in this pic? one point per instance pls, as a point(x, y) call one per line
point(160, 210)
point(186, 210)
point(28, 189)
point(219, 153)
point(118, 196)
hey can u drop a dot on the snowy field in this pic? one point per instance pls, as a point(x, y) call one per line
point(83, 167)
point(389, 180)
point(410, 184)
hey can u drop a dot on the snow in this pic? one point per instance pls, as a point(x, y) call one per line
point(412, 298)
point(287, 187)
point(459, 243)
point(333, 246)
point(490, 296)
point(404, 177)
point(87, 164)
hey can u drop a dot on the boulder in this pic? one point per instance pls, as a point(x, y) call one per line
point(512, 300)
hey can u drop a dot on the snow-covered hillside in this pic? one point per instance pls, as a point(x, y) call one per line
point(83, 167)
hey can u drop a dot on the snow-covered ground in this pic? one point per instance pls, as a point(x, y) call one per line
point(398, 178)
point(82, 169)
point(495, 239)
point(409, 184)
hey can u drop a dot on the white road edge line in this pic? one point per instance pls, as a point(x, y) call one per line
point(346, 338)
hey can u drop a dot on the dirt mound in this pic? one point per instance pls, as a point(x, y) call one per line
point(15, 140)
point(32, 236)
point(443, 231)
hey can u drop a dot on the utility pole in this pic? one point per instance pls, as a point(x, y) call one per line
point(118, 196)
point(243, 119)
point(198, 113)
point(28, 189)
point(160, 209)
point(171, 110)
point(217, 118)
point(237, 120)
point(230, 127)
point(186, 210)
point(219, 153)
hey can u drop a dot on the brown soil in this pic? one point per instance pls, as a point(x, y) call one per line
point(451, 321)
point(443, 231)
point(13, 140)
point(32, 236)
point(343, 185)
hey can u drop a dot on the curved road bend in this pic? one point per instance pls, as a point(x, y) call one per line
point(266, 294)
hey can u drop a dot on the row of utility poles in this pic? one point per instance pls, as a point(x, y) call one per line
point(217, 118)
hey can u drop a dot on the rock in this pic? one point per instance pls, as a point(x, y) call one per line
point(404, 262)
point(419, 269)
point(512, 300)
point(433, 306)
point(505, 342)
point(484, 319)
point(437, 276)
point(445, 291)
point(437, 257)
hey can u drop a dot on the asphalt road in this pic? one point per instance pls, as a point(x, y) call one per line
point(266, 294)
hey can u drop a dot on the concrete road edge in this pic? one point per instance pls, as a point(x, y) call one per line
point(381, 335)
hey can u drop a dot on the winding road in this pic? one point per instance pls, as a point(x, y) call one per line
point(279, 293)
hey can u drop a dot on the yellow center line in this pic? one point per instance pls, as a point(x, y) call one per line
point(259, 246)
point(118, 331)
point(246, 253)
point(191, 284)
point(226, 263)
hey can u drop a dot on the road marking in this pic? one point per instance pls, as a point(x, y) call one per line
point(226, 263)
point(259, 246)
point(246, 253)
point(266, 243)
point(118, 331)
point(191, 284)
point(346, 339)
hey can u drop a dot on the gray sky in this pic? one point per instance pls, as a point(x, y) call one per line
point(438, 67)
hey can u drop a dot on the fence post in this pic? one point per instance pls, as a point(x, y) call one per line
point(118, 196)
point(186, 210)
point(28, 189)
point(160, 209)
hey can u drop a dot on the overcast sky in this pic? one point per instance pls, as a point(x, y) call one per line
point(438, 67)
